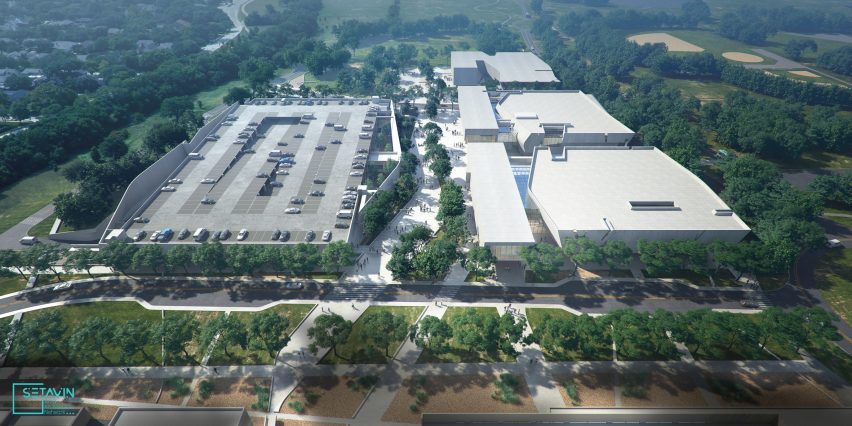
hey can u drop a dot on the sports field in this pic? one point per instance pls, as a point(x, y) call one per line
point(673, 43)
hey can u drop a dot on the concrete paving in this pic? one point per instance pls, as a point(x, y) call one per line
point(11, 238)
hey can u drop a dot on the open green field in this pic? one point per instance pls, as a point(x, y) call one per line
point(717, 7)
point(358, 349)
point(42, 229)
point(457, 353)
point(535, 318)
point(19, 201)
point(778, 40)
point(11, 284)
point(212, 98)
point(294, 314)
point(833, 275)
point(72, 316)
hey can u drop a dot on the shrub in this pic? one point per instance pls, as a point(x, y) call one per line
point(178, 386)
point(507, 386)
point(297, 406)
point(413, 408)
point(205, 389)
point(311, 397)
point(730, 390)
point(635, 385)
point(84, 384)
point(366, 382)
point(421, 396)
point(262, 394)
point(571, 391)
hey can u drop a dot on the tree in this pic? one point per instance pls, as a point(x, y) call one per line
point(616, 254)
point(336, 255)
point(817, 324)
point(303, 258)
point(441, 168)
point(43, 333)
point(475, 330)
point(383, 328)
point(536, 6)
point(44, 257)
point(268, 332)
point(82, 260)
point(431, 333)
point(180, 255)
point(511, 330)
point(694, 12)
point(257, 71)
point(210, 257)
point(231, 331)
point(132, 337)
point(543, 259)
point(581, 250)
point(150, 257)
point(835, 189)
point(90, 337)
point(451, 201)
point(432, 107)
point(237, 94)
point(435, 259)
point(163, 136)
point(174, 107)
point(401, 263)
point(480, 261)
point(329, 331)
point(14, 259)
point(243, 259)
point(118, 255)
point(113, 146)
point(794, 48)
point(176, 331)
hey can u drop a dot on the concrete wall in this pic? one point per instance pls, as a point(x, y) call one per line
point(632, 237)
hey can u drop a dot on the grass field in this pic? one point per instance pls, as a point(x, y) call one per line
point(780, 39)
point(458, 353)
point(19, 201)
point(11, 284)
point(42, 229)
point(536, 316)
point(73, 315)
point(294, 313)
point(356, 350)
point(833, 276)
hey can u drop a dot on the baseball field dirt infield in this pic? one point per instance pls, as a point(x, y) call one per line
point(804, 73)
point(742, 57)
point(673, 43)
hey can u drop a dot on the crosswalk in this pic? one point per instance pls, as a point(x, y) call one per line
point(447, 293)
point(355, 292)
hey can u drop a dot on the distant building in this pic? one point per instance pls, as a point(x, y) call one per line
point(471, 68)
point(538, 118)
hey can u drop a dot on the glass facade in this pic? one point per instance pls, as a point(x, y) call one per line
point(522, 177)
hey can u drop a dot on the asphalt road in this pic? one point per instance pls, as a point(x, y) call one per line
point(591, 297)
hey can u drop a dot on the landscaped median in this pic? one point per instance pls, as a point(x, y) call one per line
point(375, 336)
point(329, 396)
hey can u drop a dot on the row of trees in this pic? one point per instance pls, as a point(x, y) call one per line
point(712, 334)
point(96, 339)
point(211, 258)
point(472, 329)
point(128, 94)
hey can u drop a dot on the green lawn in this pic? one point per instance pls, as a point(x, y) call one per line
point(842, 220)
point(196, 353)
point(12, 284)
point(778, 41)
point(536, 316)
point(212, 98)
point(72, 315)
point(294, 313)
point(458, 353)
point(833, 357)
point(42, 229)
point(19, 201)
point(833, 275)
point(357, 349)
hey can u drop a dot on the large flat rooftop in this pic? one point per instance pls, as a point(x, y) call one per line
point(251, 190)
point(498, 208)
point(475, 109)
point(631, 189)
point(506, 67)
point(579, 112)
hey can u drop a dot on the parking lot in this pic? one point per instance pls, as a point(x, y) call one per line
point(265, 161)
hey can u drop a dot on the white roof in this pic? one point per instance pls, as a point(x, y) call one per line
point(580, 112)
point(497, 205)
point(505, 67)
point(475, 108)
point(586, 185)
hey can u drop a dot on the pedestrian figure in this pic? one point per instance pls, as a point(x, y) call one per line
point(215, 370)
